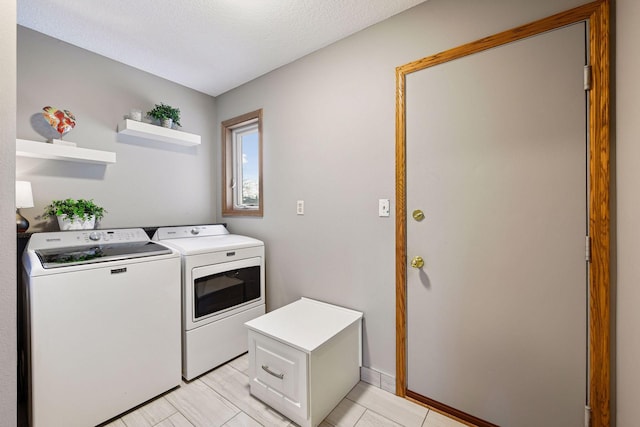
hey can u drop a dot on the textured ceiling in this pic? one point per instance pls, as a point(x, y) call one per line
point(208, 45)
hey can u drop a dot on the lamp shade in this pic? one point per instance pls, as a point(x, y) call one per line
point(24, 195)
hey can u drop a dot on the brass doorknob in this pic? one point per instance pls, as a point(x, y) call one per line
point(417, 262)
point(418, 215)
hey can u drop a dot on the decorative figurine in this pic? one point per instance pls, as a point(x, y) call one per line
point(61, 120)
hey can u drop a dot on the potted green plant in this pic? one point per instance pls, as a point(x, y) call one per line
point(166, 114)
point(74, 214)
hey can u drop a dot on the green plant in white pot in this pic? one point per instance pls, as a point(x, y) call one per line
point(165, 114)
point(74, 214)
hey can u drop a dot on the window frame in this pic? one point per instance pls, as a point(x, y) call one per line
point(229, 167)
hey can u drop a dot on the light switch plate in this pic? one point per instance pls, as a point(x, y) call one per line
point(383, 207)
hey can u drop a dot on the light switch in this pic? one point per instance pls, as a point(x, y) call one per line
point(300, 207)
point(383, 207)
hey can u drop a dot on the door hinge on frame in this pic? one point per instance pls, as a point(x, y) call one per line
point(587, 416)
point(588, 248)
point(587, 77)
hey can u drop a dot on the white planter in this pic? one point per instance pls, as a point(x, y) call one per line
point(77, 224)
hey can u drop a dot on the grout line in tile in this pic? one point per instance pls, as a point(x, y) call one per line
point(238, 370)
point(424, 420)
point(384, 417)
point(233, 367)
point(361, 415)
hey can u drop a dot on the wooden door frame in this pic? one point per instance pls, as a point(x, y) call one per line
point(597, 15)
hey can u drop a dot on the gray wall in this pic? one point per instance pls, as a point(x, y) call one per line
point(151, 183)
point(627, 251)
point(8, 358)
point(329, 140)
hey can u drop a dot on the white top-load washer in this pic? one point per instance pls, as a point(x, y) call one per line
point(223, 286)
point(103, 324)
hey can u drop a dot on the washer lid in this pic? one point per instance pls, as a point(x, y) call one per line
point(77, 255)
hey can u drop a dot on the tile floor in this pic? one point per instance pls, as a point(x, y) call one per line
point(221, 398)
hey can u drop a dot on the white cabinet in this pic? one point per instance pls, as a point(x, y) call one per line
point(304, 358)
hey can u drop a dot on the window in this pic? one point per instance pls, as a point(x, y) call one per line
point(242, 165)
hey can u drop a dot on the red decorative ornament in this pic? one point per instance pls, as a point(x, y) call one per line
point(61, 120)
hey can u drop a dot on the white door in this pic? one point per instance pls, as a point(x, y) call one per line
point(497, 161)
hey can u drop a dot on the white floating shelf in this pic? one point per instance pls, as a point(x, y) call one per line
point(157, 133)
point(44, 150)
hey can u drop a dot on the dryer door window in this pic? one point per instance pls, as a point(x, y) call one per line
point(220, 291)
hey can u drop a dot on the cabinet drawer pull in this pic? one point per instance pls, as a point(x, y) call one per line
point(269, 371)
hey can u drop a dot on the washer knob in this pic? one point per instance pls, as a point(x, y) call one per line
point(94, 236)
point(195, 231)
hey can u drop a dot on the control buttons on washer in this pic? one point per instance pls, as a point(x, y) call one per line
point(195, 231)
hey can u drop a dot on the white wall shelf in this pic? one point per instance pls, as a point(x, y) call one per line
point(157, 133)
point(44, 150)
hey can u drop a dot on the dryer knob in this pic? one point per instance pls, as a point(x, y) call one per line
point(195, 231)
point(94, 236)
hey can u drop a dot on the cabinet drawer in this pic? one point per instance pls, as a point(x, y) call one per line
point(280, 367)
point(281, 372)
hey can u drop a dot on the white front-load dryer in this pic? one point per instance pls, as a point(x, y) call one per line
point(223, 286)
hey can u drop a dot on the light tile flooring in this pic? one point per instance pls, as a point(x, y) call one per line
point(221, 398)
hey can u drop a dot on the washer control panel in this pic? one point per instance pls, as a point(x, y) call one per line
point(73, 238)
point(115, 236)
